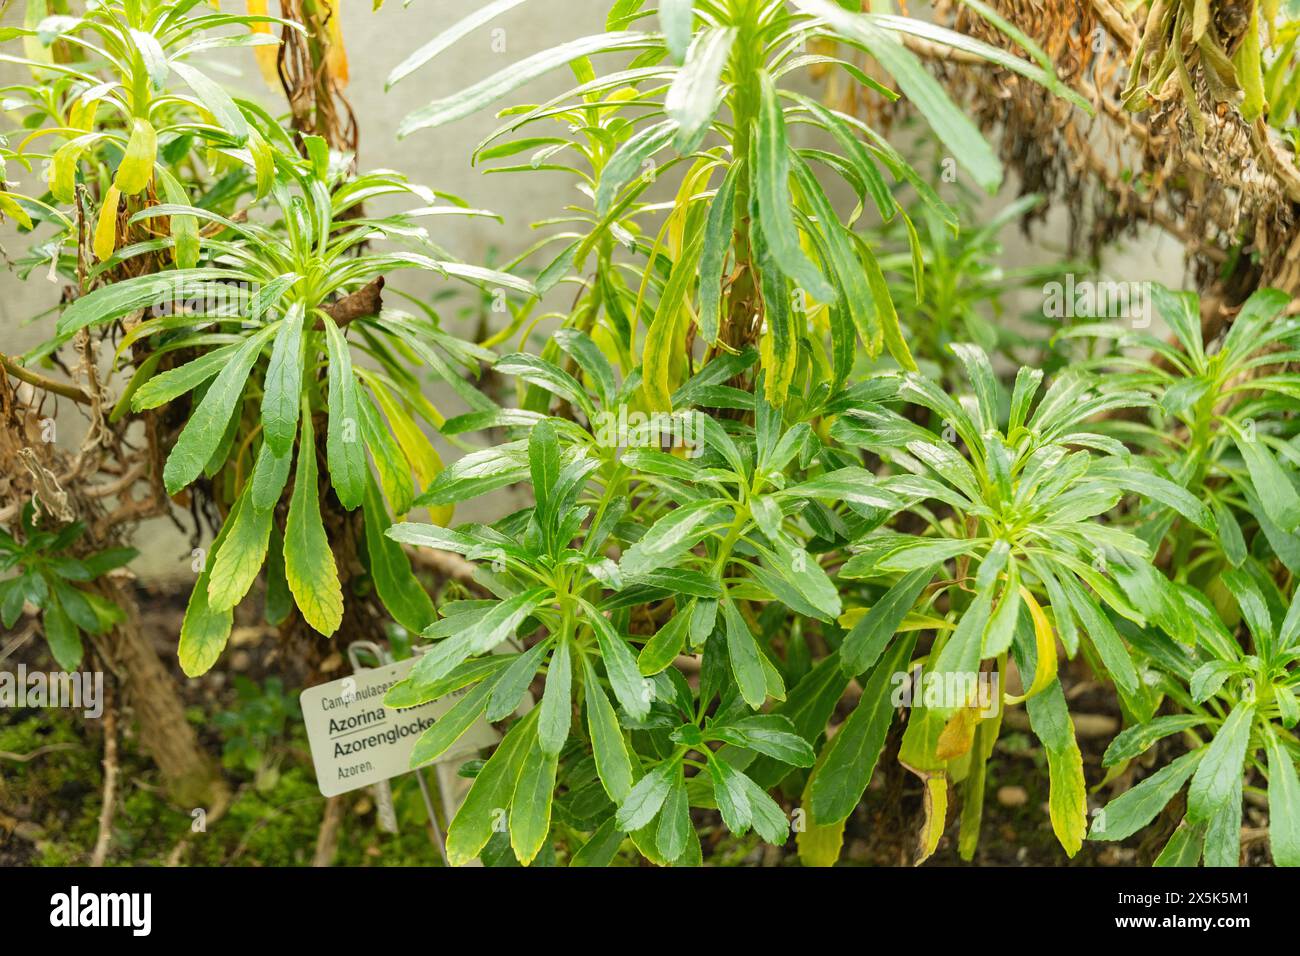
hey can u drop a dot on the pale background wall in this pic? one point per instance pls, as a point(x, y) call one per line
point(376, 41)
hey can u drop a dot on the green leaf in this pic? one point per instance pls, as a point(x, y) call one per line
point(957, 132)
point(864, 644)
point(492, 791)
point(1283, 803)
point(399, 590)
point(117, 299)
point(165, 386)
point(1135, 740)
point(544, 466)
point(61, 635)
point(282, 389)
point(770, 734)
point(587, 354)
point(662, 649)
point(677, 531)
point(771, 184)
point(477, 473)
point(630, 688)
point(203, 433)
point(601, 847)
point(1223, 833)
point(530, 808)
point(746, 658)
point(1135, 808)
point(345, 450)
point(204, 629)
point(731, 794)
point(765, 813)
point(693, 97)
point(629, 160)
point(448, 38)
point(454, 724)
point(1276, 492)
point(1184, 847)
point(608, 746)
point(643, 801)
point(849, 760)
point(270, 474)
point(486, 91)
point(676, 18)
point(556, 708)
point(932, 32)
point(308, 559)
point(718, 229)
point(242, 553)
point(1109, 645)
point(674, 823)
point(1222, 767)
point(215, 99)
point(1049, 717)
point(510, 690)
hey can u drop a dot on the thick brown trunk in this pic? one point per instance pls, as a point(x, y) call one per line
point(190, 776)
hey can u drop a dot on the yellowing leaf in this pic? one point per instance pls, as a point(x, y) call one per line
point(819, 845)
point(267, 55)
point(419, 451)
point(936, 815)
point(1045, 641)
point(958, 734)
point(106, 226)
point(336, 57)
point(136, 169)
point(242, 553)
point(17, 213)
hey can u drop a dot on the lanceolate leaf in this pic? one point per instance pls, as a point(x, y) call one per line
point(556, 709)
point(390, 568)
point(694, 95)
point(1135, 808)
point(608, 746)
point(308, 560)
point(474, 98)
point(346, 450)
point(207, 425)
point(242, 553)
point(771, 186)
point(282, 391)
point(204, 629)
point(953, 127)
point(1283, 803)
point(1222, 767)
point(745, 656)
point(492, 792)
point(1068, 801)
point(449, 37)
point(713, 254)
point(850, 758)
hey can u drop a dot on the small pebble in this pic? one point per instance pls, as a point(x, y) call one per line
point(1012, 796)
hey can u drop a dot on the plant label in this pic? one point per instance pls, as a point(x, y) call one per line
point(356, 741)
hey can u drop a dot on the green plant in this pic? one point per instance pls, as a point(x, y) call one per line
point(752, 497)
point(45, 575)
point(253, 729)
point(268, 354)
point(1237, 714)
